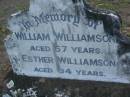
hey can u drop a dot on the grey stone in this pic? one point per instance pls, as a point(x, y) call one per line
point(68, 39)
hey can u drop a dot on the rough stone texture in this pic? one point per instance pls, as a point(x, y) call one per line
point(102, 22)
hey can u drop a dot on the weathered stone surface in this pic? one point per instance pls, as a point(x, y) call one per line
point(68, 39)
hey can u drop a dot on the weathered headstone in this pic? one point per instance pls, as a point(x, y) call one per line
point(68, 39)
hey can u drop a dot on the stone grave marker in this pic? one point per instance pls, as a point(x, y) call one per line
point(70, 40)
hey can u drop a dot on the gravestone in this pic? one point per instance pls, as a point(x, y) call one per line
point(70, 40)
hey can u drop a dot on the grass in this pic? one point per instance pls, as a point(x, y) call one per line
point(2, 13)
point(3, 33)
point(107, 4)
point(20, 7)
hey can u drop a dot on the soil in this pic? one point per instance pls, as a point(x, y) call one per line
point(7, 7)
point(92, 89)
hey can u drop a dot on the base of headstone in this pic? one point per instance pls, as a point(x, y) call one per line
point(74, 88)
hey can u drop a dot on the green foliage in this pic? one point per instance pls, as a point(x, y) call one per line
point(20, 7)
point(2, 13)
point(3, 32)
point(109, 4)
